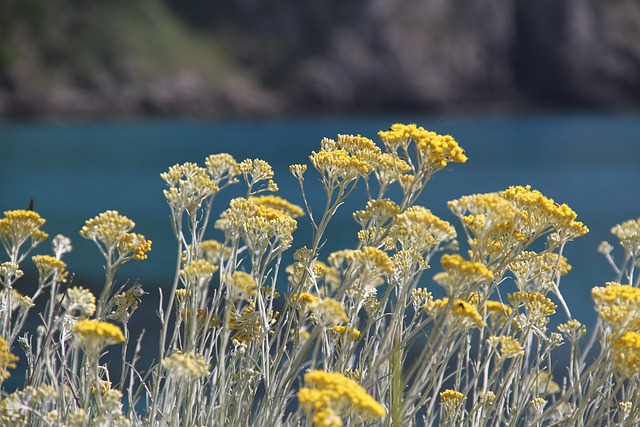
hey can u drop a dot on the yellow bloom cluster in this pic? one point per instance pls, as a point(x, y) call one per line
point(275, 202)
point(198, 272)
point(433, 150)
point(538, 308)
point(498, 309)
point(618, 305)
point(185, 365)
point(48, 265)
point(504, 223)
point(463, 271)
point(257, 224)
point(189, 185)
point(626, 354)
point(462, 309)
point(221, 166)
point(304, 299)
point(7, 360)
point(136, 244)
point(370, 260)
point(94, 335)
point(241, 286)
point(328, 312)
point(329, 396)
point(109, 227)
point(419, 229)
point(538, 272)
point(451, 401)
point(338, 166)
point(352, 333)
point(508, 346)
point(628, 233)
point(19, 225)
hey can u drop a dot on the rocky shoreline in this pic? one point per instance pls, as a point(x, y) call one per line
point(372, 56)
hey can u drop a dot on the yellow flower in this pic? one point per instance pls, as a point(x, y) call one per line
point(94, 335)
point(134, 243)
point(618, 305)
point(626, 353)
point(198, 272)
point(241, 286)
point(189, 185)
point(466, 271)
point(451, 401)
point(185, 365)
point(509, 346)
point(462, 309)
point(497, 310)
point(109, 228)
point(339, 166)
point(328, 312)
point(19, 225)
point(304, 299)
point(537, 306)
point(352, 333)
point(328, 396)
point(7, 360)
point(221, 166)
point(275, 202)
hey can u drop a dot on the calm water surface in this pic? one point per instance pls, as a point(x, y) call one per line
point(74, 171)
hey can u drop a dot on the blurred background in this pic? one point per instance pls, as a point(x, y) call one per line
point(98, 98)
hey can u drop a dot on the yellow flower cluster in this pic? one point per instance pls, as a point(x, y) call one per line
point(257, 224)
point(509, 347)
point(198, 272)
point(7, 360)
point(418, 229)
point(352, 333)
point(136, 244)
point(19, 225)
point(619, 306)
point(338, 166)
point(459, 270)
point(626, 354)
point(538, 308)
point(241, 286)
point(94, 335)
point(628, 233)
point(185, 365)
point(468, 313)
point(328, 312)
point(504, 223)
point(538, 272)
point(109, 227)
point(329, 396)
point(275, 202)
point(221, 166)
point(433, 150)
point(370, 260)
point(189, 185)
point(451, 401)
point(48, 265)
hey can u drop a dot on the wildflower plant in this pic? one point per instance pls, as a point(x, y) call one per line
point(353, 337)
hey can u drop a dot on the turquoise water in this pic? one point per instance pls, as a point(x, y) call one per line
point(74, 171)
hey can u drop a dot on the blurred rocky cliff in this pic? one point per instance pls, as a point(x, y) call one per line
point(84, 58)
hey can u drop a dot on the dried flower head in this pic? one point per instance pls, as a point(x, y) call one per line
point(79, 302)
point(328, 312)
